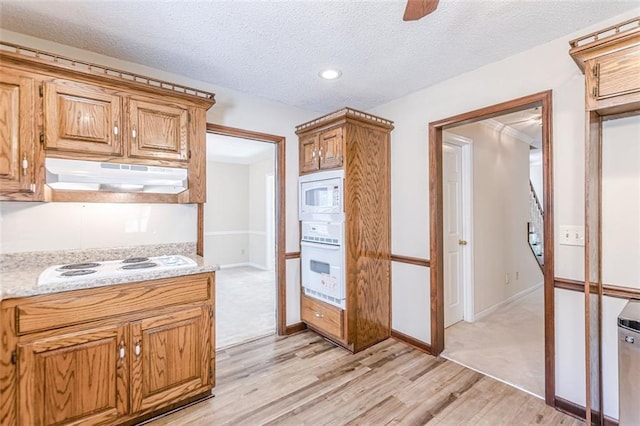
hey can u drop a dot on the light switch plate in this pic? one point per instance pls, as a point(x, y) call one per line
point(572, 235)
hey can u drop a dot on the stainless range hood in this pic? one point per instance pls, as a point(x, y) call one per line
point(81, 175)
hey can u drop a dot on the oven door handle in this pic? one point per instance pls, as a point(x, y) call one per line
point(319, 245)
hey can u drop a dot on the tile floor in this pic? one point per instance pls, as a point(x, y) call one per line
point(507, 344)
point(245, 305)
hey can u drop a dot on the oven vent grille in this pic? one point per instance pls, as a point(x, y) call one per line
point(329, 299)
point(324, 240)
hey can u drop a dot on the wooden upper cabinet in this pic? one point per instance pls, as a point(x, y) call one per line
point(17, 134)
point(309, 153)
point(170, 357)
point(158, 131)
point(613, 78)
point(82, 118)
point(610, 61)
point(73, 378)
point(331, 149)
point(319, 151)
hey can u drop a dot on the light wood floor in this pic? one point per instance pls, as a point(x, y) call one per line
point(304, 380)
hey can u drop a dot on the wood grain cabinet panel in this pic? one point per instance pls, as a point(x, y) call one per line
point(158, 131)
point(331, 149)
point(323, 316)
point(82, 118)
point(73, 378)
point(613, 80)
point(17, 134)
point(321, 151)
point(360, 144)
point(119, 365)
point(170, 357)
point(309, 153)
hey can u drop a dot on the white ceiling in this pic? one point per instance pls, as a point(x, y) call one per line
point(275, 49)
point(525, 125)
point(226, 149)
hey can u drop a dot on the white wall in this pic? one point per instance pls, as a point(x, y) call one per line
point(258, 212)
point(226, 214)
point(233, 108)
point(621, 202)
point(28, 227)
point(620, 235)
point(500, 216)
point(545, 67)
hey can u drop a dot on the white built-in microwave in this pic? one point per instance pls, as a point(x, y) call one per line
point(321, 196)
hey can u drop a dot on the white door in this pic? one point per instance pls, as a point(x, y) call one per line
point(453, 235)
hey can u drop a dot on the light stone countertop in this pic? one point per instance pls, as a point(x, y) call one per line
point(19, 277)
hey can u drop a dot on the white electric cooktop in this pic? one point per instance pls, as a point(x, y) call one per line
point(112, 268)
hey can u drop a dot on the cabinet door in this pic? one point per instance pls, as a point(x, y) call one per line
point(308, 153)
point(158, 131)
point(82, 118)
point(613, 79)
point(17, 135)
point(171, 358)
point(331, 149)
point(79, 378)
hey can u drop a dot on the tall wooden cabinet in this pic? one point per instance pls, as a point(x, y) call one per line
point(360, 144)
point(51, 106)
point(107, 355)
point(610, 61)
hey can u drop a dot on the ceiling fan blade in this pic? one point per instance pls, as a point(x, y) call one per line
point(417, 9)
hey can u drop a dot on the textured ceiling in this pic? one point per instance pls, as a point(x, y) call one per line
point(275, 49)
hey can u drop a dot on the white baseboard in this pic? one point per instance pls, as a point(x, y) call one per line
point(251, 264)
point(513, 298)
point(234, 265)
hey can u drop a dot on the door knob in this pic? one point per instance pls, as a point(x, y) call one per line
point(462, 242)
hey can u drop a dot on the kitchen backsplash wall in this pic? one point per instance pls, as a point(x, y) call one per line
point(66, 226)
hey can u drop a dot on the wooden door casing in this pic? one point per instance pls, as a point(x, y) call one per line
point(17, 133)
point(82, 118)
point(170, 357)
point(158, 131)
point(331, 149)
point(309, 153)
point(78, 377)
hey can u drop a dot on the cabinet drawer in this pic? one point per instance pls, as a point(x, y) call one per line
point(62, 309)
point(322, 316)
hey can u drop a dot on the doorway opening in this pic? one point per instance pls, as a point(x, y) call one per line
point(243, 232)
point(491, 244)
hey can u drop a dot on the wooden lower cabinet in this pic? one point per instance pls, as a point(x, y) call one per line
point(72, 378)
point(170, 357)
point(108, 367)
point(323, 316)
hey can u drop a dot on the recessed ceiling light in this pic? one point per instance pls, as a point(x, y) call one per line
point(330, 74)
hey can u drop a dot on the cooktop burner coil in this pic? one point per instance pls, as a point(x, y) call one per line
point(136, 260)
point(85, 265)
point(78, 272)
point(140, 265)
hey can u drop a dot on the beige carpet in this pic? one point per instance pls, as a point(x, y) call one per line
point(507, 344)
point(245, 305)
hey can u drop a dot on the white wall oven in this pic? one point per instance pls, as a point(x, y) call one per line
point(322, 258)
point(321, 196)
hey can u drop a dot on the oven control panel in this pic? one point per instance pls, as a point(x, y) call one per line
point(323, 232)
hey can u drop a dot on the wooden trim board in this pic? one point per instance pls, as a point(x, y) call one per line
point(543, 100)
point(281, 276)
point(295, 328)
point(579, 412)
point(410, 260)
point(411, 341)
